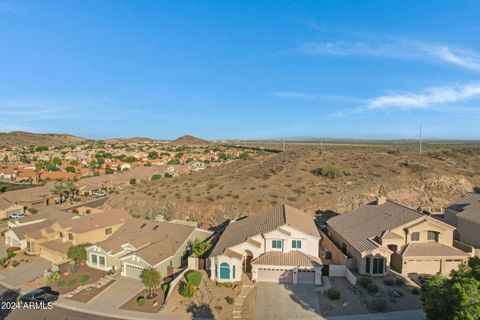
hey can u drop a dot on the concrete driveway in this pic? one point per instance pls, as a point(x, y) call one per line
point(286, 301)
point(16, 277)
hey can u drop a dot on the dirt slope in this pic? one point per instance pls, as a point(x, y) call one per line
point(429, 181)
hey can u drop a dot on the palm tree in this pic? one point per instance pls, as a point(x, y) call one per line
point(71, 189)
point(39, 166)
point(59, 189)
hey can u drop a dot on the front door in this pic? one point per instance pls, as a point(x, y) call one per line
point(248, 263)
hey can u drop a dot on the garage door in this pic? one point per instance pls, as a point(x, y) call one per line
point(275, 275)
point(133, 271)
point(423, 266)
point(306, 276)
point(451, 264)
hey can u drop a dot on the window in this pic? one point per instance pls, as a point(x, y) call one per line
point(224, 270)
point(367, 265)
point(101, 261)
point(93, 259)
point(108, 231)
point(432, 235)
point(415, 236)
point(61, 234)
point(344, 248)
point(70, 236)
point(378, 264)
point(277, 244)
point(296, 244)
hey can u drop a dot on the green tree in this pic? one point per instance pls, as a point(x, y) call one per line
point(151, 280)
point(200, 248)
point(39, 166)
point(77, 254)
point(457, 297)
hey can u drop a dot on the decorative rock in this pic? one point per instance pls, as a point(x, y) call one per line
point(346, 303)
point(155, 304)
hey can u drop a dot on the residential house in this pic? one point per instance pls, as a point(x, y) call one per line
point(280, 245)
point(464, 214)
point(35, 197)
point(8, 208)
point(385, 235)
point(141, 244)
point(51, 238)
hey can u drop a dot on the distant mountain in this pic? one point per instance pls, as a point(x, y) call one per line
point(129, 140)
point(21, 138)
point(191, 141)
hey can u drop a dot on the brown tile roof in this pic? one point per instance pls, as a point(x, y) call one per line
point(239, 231)
point(57, 245)
point(292, 258)
point(391, 235)
point(369, 221)
point(100, 220)
point(431, 249)
point(154, 241)
point(48, 212)
point(30, 194)
point(32, 230)
point(467, 207)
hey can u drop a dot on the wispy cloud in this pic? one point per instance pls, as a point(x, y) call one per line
point(427, 98)
point(397, 48)
point(313, 96)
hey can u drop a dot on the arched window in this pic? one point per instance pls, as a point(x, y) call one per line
point(224, 270)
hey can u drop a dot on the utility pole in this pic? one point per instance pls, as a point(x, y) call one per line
point(283, 144)
point(420, 134)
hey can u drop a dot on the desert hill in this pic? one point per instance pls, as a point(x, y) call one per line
point(21, 138)
point(190, 141)
point(129, 140)
point(429, 182)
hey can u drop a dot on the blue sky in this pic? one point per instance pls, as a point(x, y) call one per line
point(241, 69)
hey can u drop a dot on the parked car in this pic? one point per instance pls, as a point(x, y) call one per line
point(99, 193)
point(17, 215)
point(41, 295)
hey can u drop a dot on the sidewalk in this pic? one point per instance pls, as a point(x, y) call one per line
point(397, 315)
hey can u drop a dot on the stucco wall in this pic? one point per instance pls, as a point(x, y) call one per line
point(469, 232)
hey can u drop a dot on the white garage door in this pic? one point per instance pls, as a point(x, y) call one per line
point(306, 276)
point(133, 271)
point(423, 266)
point(451, 264)
point(277, 275)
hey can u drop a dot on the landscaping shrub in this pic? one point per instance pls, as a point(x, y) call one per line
point(187, 290)
point(141, 301)
point(84, 278)
point(70, 282)
point(364, 281)
point(333, 294)
point(389, 282)
point(15, 263)
point(194, 278)
point(377, 304)
point(372, 288)
point(165, 288)
point(415, 291)
point(52, 277)
point(224, 284)
point(399, 282)
point(229, 299)
point(60, 283)
point(3, 262)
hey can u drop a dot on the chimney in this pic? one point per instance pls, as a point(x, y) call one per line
point(381, 199)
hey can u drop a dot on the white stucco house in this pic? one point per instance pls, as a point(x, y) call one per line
point(281, 245)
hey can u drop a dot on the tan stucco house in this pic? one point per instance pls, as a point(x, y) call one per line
point(385, 235)
point(142, 244)
point(464, 214)
point(280, 245)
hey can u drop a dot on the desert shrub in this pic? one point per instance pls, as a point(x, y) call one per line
point(333, 294)
point(156, 177)
point(187, 290)
point(84, 278)
point(165, 288)
point(372, 288)
point(52, 277)
point(389, 282)
point(70, 282)
point(32, 210)
point(378, 304)
point(133, 181)
point(399, 282)
point(60, 283)
point(329, 170)
point(141, 301)
point(229, 299)
point(3, 262)
point(15, 263)
point(364, 281)
point(415, 290)
point(224, 284)
point(194, 278)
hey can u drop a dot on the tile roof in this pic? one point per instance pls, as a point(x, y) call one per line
point(57, 245)
point(467, 207)
point(96, 221)
point(292, 258)
point(370, 221)
point(431, 249)
point(240, 230)
point(154, 241)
